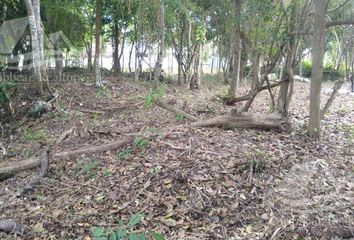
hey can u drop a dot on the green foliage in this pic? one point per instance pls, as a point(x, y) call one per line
point(152, 97)
point(5, 93)
point(124, 153)
point(141, 143)
point(89, 169)
point(35, 135)
point(180, 117)
point(125, 231)
point(330, 73)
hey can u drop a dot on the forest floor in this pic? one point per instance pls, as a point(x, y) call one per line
point(189, 183)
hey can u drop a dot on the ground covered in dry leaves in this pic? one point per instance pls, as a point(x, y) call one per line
point(189, 183)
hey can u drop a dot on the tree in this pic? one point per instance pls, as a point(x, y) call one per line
point(97, 64)
point(237, 49)
point(158, 66)
point(318, 43)
point(36, 41)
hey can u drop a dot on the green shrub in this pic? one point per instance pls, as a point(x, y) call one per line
point(330, 73)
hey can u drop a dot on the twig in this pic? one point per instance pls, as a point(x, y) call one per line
point(64, 135)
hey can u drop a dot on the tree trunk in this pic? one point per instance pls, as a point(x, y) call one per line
point(256, 84)
point(35, 44)
point(97, 64)
point(195, 80)
point(318, 42)
point(286, 88)
point(158, 66)
point(237, 48)
point(58, 62)
point(138, 54)
point(115, 42)
point(130, 57)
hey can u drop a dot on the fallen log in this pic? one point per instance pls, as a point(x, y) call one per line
point(265, 122)
point(34, 162)
point(176, 111)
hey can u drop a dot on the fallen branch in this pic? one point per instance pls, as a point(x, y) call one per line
point(176, 111)
point(10, 226)
point(34, 162)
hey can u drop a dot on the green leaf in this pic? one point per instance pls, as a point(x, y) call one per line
point(99, 238)
point(98, 232)
point(133, 236)
point(157, 236)
point(141, 236)
point(121, 234)
point(135, 219)
point(113, 236)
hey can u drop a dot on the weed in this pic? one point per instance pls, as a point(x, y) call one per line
point(125, 231)
point(141, 143)
point(103, 93)
point(35, 135)
point(124, 153)
point(27, 153)
point(152, 97)
point(88, 169)
point(180, 117)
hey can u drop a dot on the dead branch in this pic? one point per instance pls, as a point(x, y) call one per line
point(250, 95)
point(176, 111)
point(34, 162)
point(10, 226)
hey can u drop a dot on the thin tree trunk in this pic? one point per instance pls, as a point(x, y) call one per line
point(130, 57)
point(158, 66)
point(237, 51)
point(99, 83)
point(318, 43)
point(138, 54)
point(115, 42)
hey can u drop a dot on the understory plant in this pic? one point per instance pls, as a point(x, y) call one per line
point(126, 230)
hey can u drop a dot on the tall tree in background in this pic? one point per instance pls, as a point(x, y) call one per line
point(318, 43)
point(98, 46)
